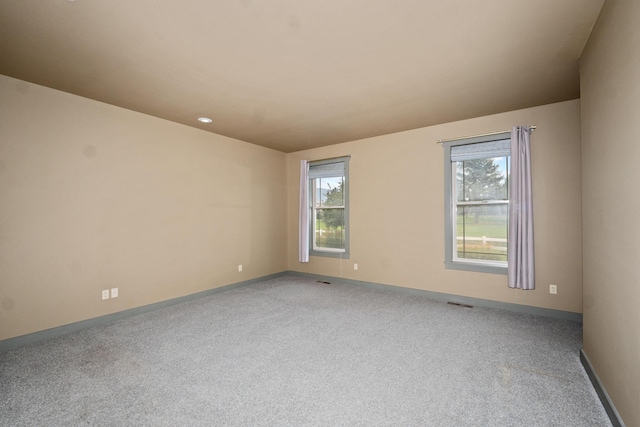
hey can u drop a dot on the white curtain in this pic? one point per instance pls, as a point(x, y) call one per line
point(520, 245)
point(303, 214)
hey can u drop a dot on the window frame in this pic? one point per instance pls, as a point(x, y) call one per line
point(451, 261)
point(329, 252)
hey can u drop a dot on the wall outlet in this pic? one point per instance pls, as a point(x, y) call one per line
point(105, 294)
point(355, 266)
point(114, 292)
point(239, 267)
point(553, 289)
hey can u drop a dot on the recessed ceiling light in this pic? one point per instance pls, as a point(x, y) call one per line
point(204, 119)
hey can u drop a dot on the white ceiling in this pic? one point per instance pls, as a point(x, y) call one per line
point(297, 74)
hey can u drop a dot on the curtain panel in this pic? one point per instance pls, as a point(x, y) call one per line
point(520, 245)
point(303, 213)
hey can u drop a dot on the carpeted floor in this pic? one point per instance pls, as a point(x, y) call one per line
point(293, 352)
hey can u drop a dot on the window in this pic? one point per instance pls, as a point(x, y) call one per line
point(329, 204)
point(477, 203)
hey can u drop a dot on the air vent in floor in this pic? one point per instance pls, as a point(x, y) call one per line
point(459, 304)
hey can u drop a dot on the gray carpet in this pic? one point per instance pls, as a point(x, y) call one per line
point(293, 352)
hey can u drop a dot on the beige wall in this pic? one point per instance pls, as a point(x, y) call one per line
point(610, 85)
point(397, 214)
point(93, 197)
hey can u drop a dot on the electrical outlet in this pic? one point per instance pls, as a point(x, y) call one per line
point(239, 267)
point(355, 266)
point(553, 289)
point(105, 294)
point(114, 292)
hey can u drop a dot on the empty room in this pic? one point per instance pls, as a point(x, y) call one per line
point(281, 213)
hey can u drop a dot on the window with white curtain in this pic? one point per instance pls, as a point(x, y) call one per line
point(329, 207)
point(477, 203)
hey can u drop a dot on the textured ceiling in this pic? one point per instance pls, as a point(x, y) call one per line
point(297, 74)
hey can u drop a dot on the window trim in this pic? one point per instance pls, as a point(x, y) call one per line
point(451, 262)
point(330, 252)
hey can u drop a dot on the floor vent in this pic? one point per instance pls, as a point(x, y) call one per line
point(459, 304)
point(322, 281)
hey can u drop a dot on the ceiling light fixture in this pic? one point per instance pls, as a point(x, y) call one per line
point(204, 119)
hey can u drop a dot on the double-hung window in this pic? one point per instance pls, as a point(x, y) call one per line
point(477, 203)
point(329, 207)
